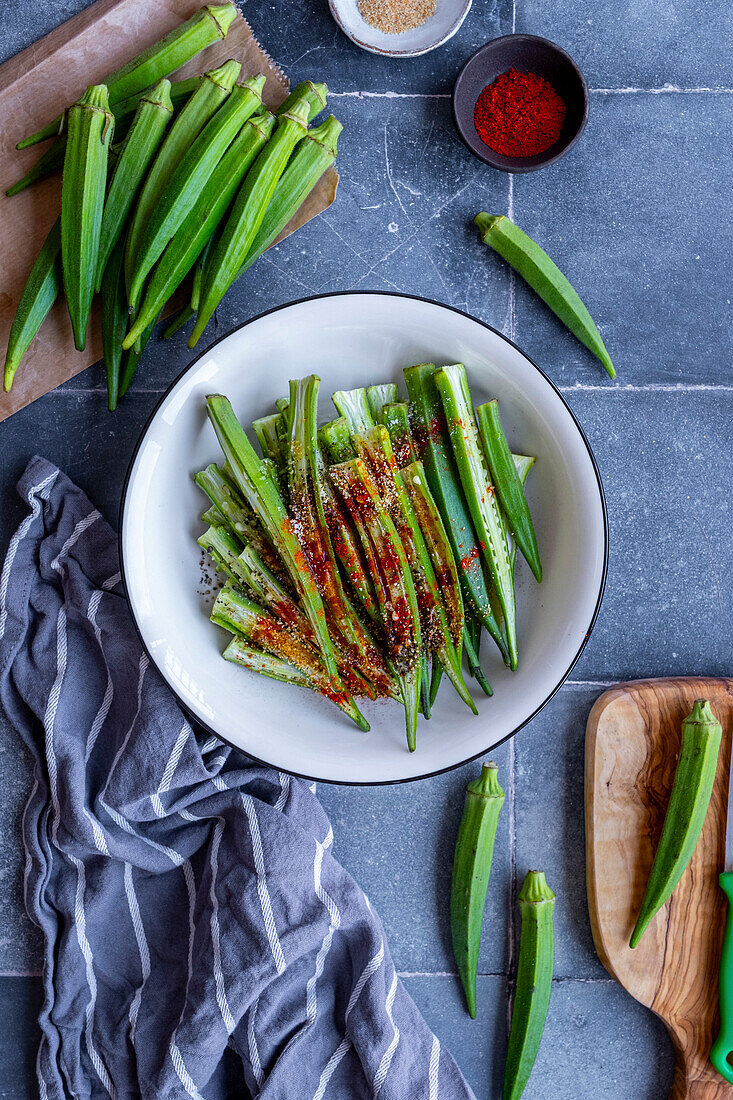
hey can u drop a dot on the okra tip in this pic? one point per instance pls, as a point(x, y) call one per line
point(223, 15)
point(486, 222)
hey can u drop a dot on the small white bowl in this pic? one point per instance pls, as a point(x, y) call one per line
point(437, 29)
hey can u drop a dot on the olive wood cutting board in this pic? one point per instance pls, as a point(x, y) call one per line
point(631, 749)
point(34, 86)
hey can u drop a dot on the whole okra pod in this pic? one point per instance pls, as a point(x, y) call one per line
point(247, 213)
point(91, 125)
point(114, 320)
point(206, 26)
point(534, 982)
point(471, 869)
point(201, 221)
point(153, 115)
point(193, 174)
point(688, 805)
point(546, 279)
point(39, 294)
point(213, 88)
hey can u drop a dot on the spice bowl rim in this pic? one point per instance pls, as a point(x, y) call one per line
point(463, 116)
point(358, 31)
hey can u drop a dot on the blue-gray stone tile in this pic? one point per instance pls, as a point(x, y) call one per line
point(307, 43)
point(599, 1044)
point(21, 942)
point(665, 462)
point(548, 795)
point(21, 1000)
point(645, 43)
point(638, 216)
point(398, 843)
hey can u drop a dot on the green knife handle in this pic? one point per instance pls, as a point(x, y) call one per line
point(723, 1045)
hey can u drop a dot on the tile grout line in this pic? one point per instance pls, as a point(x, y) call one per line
point(511, 924)
point(666, 89)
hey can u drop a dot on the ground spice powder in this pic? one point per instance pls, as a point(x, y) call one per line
point(396, 16)
point(519, 114)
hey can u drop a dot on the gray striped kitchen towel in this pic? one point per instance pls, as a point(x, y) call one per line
point(189, 899)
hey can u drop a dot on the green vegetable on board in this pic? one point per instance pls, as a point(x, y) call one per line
point(471, 869)
point(534, 982)
point(205, 27)
point(91, 125)
point(39, 294)
point(688, 805)
point(114, 320)
point(508, 484)
point(546, 279)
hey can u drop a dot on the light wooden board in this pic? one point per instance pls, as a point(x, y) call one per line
point(632, 745)
point(34, 86)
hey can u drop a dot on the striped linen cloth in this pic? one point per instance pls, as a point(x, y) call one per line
point(189, 899)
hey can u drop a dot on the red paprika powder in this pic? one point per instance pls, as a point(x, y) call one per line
point(519, 114)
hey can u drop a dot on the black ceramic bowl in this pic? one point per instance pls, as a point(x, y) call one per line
point(527, 53)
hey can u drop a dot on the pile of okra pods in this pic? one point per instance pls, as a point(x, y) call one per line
point(162, 180)
point(362, 558)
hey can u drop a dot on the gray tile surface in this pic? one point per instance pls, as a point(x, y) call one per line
point(639, 216)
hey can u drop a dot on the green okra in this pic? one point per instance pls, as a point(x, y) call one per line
point(378, 396)
point(335, 437)
point(198, 271)
point(471, 647)
point(114, 320)
point(236, 613)
point(51, 161)
point(507, 483)
point(206, 26)
point(247, 214)
point(471, 869)
point(312, 157)
point(201, 221)
point(440, 469)
point(39, 294)
point(523, 464)
point(438, 545)
point(180, 319)
point(353, 405)
point(534, 982)
point(688, 805)
point(393, 583)
point(544, 276)
point(452, 384)
point(212, 517)
point(132, 356)
point(192, 175)
point(213, 88)
point(238, 517)
point(396, 416)
point(241, 653)
point(224, 549)
point(263, 498)
point(91, 125)
point(314, 95)
point(154, 112)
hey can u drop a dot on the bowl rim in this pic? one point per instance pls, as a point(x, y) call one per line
point(486, 158)
point(604, 510)
point(335, 12)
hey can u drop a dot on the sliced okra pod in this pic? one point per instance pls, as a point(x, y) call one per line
point(479, 492)
point(91, 125)
point(534, 982)
point(508, 484)
point(378, 396)
point(471, 869)
point(688, 805)
point(39, 294)
point(397, 422)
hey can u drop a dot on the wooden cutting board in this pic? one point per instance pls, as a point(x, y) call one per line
point(631, 749)
point(34, 86)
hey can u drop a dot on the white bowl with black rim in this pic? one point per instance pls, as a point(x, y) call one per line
point(354, 339)
point(434, 31)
